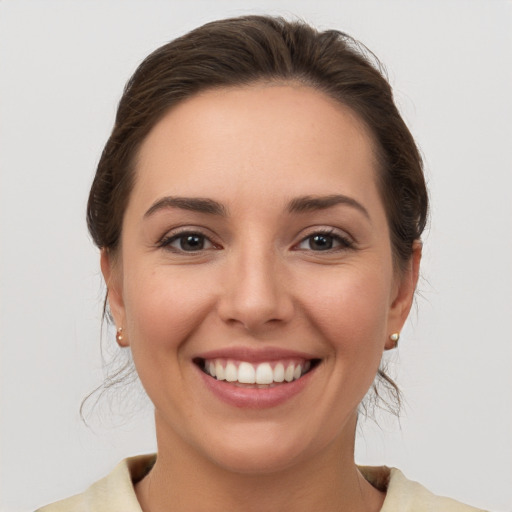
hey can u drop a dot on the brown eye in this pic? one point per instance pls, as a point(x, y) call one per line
point(325, 242)
point(320, 242)
point(187, 242)
point(191, 242)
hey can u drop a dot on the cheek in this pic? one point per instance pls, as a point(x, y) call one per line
point(351, 310)
point(163, 307)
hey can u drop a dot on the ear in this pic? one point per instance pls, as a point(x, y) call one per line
point(404, 295)
point(113, 279)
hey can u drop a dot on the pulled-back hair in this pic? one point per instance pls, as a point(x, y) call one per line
point(241, 51)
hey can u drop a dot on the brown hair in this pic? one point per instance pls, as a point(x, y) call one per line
point(241, 51)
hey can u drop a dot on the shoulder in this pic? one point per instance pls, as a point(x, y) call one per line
point(114, 493)
point(403, 495)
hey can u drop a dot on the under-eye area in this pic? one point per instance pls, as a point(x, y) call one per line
point(265, 374)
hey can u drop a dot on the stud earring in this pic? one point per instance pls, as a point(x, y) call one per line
point(394, 338)
point(119, 335)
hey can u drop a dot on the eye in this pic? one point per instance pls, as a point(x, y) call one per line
point(187, 242)
point(324, 242)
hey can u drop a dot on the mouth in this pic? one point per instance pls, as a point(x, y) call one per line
point(261, 375)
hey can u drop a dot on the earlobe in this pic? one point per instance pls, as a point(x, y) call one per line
point(113, 281)
point(404, 296)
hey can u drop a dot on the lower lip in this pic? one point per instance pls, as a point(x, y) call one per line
point(255, 398)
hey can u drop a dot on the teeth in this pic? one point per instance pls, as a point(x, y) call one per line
point(231, 372)
point(219, 371)
point(264, 374)
point(261, 374)
point(288, 374)
point(246, 374)
point(279, 373)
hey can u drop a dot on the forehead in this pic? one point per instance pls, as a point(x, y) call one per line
point(269, 139)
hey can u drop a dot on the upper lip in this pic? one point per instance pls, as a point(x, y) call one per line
point(254, 355)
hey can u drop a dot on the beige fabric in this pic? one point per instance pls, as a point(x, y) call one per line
point(115, 492)
point(404, 495)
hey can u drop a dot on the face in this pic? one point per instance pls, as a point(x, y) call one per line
point(255, 282)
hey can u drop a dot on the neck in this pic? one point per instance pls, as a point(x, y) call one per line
point(183, 480)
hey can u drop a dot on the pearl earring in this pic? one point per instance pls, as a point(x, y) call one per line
point(119, 335)
point(394, 338)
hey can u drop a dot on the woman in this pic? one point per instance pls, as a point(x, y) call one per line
point(259, 207)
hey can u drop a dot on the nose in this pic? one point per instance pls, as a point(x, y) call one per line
point(255, 292)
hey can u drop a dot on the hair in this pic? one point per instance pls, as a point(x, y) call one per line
point(249, 49)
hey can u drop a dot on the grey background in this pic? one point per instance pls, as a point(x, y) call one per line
point(62, 68)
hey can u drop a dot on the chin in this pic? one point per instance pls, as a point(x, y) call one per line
point(258, 458)
point(263, 449)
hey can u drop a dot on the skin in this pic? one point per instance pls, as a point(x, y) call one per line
point(259, 281)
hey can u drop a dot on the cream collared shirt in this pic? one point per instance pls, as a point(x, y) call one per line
point(115, 492)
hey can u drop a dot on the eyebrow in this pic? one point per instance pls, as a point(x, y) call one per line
point(311, 203)
point(195, 204)
point(302, 204)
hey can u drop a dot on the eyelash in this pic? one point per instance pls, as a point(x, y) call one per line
point(167, 241)
point(344, 242)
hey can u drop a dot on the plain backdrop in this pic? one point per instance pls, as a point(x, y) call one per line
point(62, 69)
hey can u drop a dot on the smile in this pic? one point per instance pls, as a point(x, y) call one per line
point(263, 374)
point(256, 378)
